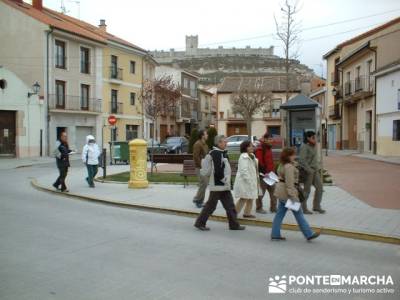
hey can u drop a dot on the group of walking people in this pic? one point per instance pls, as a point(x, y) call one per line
point(90, 157)
point(295, 179)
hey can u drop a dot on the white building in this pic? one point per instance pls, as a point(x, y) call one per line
point(388, 109)
point(21, 118)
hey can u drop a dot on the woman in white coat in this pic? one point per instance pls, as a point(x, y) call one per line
point(246, 185)
point(90, 157)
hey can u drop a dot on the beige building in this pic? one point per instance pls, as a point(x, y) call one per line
point(351, 89)
point(268, 120)
point(205, 114)
point(52, 49)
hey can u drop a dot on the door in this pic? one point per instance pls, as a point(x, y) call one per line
point(352, 129)
point(332, 137)
point(80, 136)
point(368, 131)
point(163, 132)
point(236, 129)
point(7, 133)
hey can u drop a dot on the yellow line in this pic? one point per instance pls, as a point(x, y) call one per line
point(261, 223)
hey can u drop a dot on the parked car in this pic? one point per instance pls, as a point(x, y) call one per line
point(154, 146)
point(176, 144)
point(234, 142)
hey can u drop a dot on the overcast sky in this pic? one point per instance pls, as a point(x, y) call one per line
point(163, 24)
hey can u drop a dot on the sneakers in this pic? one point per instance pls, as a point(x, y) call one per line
point(198, 204)
point(314, 236)
point(261, 211)
point(249, 216)
point(320, 210)
point(280, 238)
point(307, 212)
point(57, 187)
point(240, 227)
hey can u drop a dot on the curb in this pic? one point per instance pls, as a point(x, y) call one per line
point(185, 213)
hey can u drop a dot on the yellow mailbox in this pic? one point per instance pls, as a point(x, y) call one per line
point(138, 161)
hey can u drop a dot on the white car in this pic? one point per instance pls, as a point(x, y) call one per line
point(234, 141)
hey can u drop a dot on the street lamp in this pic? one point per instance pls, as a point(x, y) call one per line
point(334, 91)
point(35, 88)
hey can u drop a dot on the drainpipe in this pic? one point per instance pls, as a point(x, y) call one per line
point(341, 114)
point(374, 147)
point(48, 89)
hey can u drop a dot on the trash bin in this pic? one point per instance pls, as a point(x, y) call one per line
point(119, 152)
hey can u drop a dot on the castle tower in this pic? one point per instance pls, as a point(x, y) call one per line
point(192, 43)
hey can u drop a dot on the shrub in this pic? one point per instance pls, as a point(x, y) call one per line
point(212, 133)
point(193, 139)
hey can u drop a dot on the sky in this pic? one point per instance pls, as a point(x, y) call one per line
point(163, 24)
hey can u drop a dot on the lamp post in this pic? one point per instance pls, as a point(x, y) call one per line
point(35, 89)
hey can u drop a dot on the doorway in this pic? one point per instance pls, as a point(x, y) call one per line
point(7, 133)
point(236, 129)
point(368, 131)
point(352, 129)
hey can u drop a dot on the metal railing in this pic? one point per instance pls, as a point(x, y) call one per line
point(361, 84)
point(116, 73)
point(116, 107)
point(75, 103)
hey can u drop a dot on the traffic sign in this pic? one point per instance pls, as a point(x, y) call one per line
point(112, 120)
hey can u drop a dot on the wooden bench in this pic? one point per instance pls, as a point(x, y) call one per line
point(169, 159)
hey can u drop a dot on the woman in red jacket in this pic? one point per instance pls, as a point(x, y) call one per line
point(266, 165)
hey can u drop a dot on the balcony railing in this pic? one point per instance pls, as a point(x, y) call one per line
point(362, 85)
point(116, 73)
point(74, 103)
point(274, 114)
point(334, 111)
point(116, 107)
point(231, 115)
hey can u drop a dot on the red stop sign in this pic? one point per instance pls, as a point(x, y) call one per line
point(112, 120)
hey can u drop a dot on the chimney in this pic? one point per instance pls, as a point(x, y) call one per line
point(38, 4)
point(103, 25)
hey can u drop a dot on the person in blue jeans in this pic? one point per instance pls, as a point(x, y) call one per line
point(286, 189)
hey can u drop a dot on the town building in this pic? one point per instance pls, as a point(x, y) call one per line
point(351, 92)
point(269, 119)
point(388, 109)
point(205, 111)
point(22, 120)
point(185, 118)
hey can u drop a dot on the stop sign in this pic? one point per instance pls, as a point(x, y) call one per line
point(112, 120)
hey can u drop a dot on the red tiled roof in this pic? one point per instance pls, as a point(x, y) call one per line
point(68, 23)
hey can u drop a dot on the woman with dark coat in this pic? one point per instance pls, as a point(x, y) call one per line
point(62, 159)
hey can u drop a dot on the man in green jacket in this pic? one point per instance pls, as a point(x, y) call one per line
point(200, 150)
point(309, 162)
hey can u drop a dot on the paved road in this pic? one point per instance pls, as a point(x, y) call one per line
point(375, 182)
point(58, 248)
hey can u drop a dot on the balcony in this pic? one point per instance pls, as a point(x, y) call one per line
point(272, 115)
point(74, 103)
point(116, 108)
point(361, 87)
point(233, 116)
point(115, 73)
point(334, 111)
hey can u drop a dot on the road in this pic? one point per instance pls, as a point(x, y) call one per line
point(58, 248)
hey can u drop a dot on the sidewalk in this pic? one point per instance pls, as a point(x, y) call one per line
point(12, 163)
point(344, 211)
point(381, 158)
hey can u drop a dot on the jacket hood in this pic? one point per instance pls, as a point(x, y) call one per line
point(89, 137)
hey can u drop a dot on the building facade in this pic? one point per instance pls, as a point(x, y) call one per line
point(388, 109)
point(268, 120)
point(185, 118)
point(351, 92)
point(205, 110)
point(21, 118)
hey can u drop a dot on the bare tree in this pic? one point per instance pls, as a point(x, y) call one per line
point(159, 97)
point(287, 31)
point(250, 99)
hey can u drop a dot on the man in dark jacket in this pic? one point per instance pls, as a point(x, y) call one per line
point(200, 150)
point(62, 160)
point(217, 168)
point(265, 165)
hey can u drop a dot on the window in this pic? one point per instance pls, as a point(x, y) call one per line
point(60, 94)
point(133, 98)
point(114, 134)
point(114, 101)
point(132, 132)
point(114, 67)
point(133, 67)
point(207, 102)
point(398, 99)
point(396, 130)
point(85, 96)
point(275, 108)
point(274, 130)
point(358, 79)
point(60, 55)
point(193, 92)
point(85, 60)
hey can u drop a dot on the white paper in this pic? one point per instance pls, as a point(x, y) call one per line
point(271, 178)
point(292, 205)
point(72, 152)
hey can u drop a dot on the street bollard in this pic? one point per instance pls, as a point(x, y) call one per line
point(138, 162)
